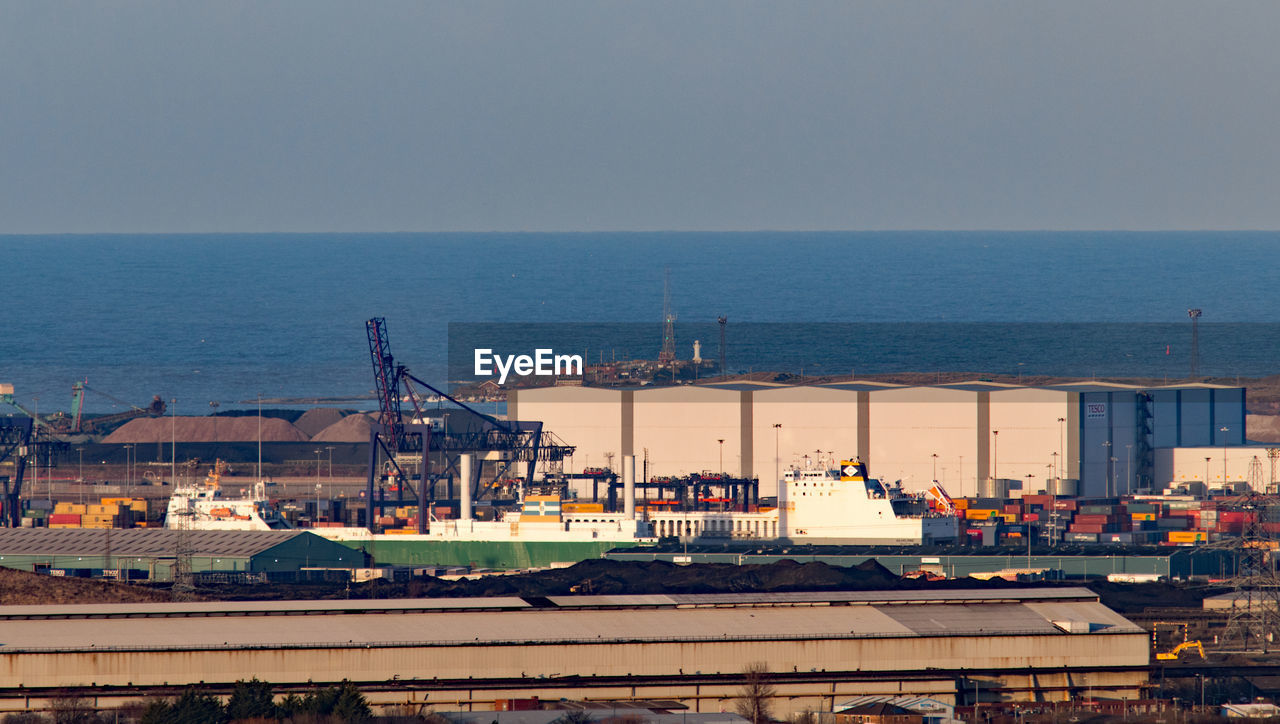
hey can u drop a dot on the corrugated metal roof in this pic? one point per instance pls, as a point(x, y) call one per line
point(365, 623)
point(980, 617)
point(255, 608)
point(140, 542)
point(796, 597)
point(981, 386)
point(861, 385)
point(748, 385)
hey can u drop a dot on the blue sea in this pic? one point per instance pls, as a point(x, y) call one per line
point(225, 318)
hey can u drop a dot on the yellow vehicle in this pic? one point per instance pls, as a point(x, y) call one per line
point(1177, 651)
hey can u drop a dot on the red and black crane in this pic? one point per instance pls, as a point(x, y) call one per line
point(521, 441)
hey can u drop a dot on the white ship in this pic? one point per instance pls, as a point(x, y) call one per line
point(824, 504)
point(204, 506)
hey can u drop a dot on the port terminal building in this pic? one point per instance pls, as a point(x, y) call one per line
point(976, 438)
point(819, 649)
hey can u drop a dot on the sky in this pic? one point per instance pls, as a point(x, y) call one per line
point(567, 115)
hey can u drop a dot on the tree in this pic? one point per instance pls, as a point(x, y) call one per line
point(350, 705)
point(193, 708)
point(754, 698)
point(251, 700)
point(73, 710)
point(156, 712)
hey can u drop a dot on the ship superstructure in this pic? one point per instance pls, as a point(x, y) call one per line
point(205, 506)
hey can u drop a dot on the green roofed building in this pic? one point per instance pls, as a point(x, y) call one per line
point(151, 553)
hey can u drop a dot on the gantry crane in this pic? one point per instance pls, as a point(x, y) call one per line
point(519, 441)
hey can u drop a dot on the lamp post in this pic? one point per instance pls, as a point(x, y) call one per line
point(81, 451)
point(318, 483)
point(995, 455)
point(721, 441)
point(214, 406)
point(128, 470)
point(1224, 430)
point(1206, 471)
point(259, 437)
point(1026, 525)
point(935, 467)
point(173, 441)
point(330, 449)
point(35, 449)
point(1106, 445)
point(777, 457)
point(1128, 468)
point(1062, 443)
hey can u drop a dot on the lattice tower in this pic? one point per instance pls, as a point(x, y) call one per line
point(1253, 622)
point(668, 353)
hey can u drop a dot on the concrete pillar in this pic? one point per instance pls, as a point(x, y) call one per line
point(629, 486)
point(464, 469)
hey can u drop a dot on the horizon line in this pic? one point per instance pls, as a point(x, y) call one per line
point(903, 230)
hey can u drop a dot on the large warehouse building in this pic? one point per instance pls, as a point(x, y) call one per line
point(153, 553)
point(1103, 435)
point(819, 648)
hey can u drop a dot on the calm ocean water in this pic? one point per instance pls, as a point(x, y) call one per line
point(226, 317)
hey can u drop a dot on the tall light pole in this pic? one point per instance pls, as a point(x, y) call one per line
point(777, 456)
point(1206, 471)
point(318, 483)
point(1106, 458)
point(995, 456)
point(1062, 443)
point(259, 437)
point(935, 467)
point(330, 449)
point(1224, 430)
point(1128, 468)
point(35, 449)
point(81, 451)
point(721, 441)
point(173, 441)
point(214, 406)
point(128, 469)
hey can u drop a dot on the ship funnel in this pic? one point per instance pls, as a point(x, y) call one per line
point(464, 471)
point(629, 486)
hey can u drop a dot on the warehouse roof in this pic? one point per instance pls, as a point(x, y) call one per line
point(140, 542)
point(360, 624)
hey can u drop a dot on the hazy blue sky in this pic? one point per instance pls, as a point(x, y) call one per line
point(313, 115)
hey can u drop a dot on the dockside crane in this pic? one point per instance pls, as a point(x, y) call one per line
point(521, 441)
point(15, 443)
point(26, 440)
point(79, 424)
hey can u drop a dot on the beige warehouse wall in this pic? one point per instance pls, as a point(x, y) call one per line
point(586, 417)
point(1183, 464)
point(680, 426)
point(909, 426)
point(1029, 433)
point(812, 418)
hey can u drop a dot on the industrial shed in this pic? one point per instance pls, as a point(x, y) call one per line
point(150, 553)
point(820, 648)
point(1102, 434)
